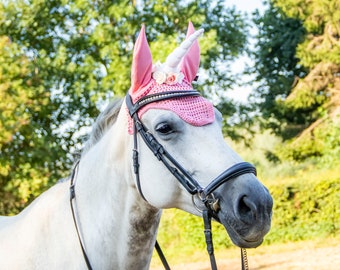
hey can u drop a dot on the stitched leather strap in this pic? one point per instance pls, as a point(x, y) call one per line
point(72, 197)
point(208, 238)
point(161, 256)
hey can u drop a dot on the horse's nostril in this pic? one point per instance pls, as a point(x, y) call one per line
point(246, 210)
point(243, 209)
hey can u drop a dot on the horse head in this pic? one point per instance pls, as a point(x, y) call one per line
point(197, 169)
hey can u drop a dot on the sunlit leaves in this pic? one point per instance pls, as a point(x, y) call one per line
point(60, 61)
point(298, 59)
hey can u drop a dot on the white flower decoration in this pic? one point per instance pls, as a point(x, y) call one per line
point(162, 74)
point(180, 77)
point(159, 76)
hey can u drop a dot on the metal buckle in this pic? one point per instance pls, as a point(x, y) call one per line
point(209, 201)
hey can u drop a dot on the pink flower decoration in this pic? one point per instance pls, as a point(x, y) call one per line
point(171, 79)
point(161, 75)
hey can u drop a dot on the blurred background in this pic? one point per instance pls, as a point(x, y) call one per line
point(272, 68)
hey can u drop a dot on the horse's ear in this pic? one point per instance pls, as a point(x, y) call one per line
point(141, 63)
point(191, 61)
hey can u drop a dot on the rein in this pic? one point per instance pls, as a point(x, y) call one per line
point(73, 208)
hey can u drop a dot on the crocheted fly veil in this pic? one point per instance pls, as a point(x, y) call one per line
point(176, 74)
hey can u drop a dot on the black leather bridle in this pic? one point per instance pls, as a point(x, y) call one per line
point(187, 181)
point(205, 194)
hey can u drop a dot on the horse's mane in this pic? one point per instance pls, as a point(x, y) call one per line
point(105, 120)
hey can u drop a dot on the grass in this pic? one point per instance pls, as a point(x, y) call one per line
point(234, 252)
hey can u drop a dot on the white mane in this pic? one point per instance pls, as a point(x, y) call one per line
point(105, 120)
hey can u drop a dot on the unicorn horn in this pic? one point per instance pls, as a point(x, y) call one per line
point(173, 60)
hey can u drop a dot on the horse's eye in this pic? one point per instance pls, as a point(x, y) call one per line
point(164, 128)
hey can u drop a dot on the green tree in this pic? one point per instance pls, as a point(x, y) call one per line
point(61, 60)
point(298, 57)
point(276, 67)
point(22, 102)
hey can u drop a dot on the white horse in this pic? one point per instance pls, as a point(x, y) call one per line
point(118, 200)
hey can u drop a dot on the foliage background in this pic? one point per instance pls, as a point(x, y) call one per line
point(60, 61)
point(297, 61)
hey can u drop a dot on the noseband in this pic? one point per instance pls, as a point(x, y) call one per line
point(205, 194)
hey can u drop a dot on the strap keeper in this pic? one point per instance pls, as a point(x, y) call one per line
point(135, 160)
point(72, 192)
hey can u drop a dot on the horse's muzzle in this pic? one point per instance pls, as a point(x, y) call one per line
point(245, 215)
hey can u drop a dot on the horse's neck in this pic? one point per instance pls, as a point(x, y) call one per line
point(118, 226)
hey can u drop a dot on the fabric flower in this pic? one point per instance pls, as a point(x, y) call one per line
point(162, 75)
point(157, 67)
point(180, 77)
point(171, 79)
point(159, 76)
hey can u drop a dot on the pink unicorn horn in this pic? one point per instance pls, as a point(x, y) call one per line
point(177, 55)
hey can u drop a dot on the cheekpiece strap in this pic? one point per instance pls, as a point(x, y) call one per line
point(189, 183)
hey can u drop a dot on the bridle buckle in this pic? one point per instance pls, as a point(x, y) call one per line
point(210, 202)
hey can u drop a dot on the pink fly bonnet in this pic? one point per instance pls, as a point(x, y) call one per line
point(176, 74)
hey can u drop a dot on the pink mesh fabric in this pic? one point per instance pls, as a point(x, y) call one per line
point(196, 111)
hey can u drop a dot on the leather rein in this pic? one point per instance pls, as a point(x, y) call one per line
point(205, 194)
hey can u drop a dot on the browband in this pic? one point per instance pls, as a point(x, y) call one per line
point(135, 107)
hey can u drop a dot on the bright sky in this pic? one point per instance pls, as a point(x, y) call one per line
point(245, 5)
point(241, 93)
